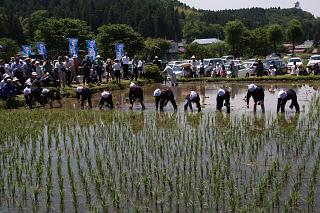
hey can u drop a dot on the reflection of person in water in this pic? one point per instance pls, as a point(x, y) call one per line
point(288, 124)
point(194, 119)
point(166, 121)
point(222, 120)
point(137, 122)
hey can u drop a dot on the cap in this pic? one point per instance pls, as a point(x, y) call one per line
point(27, 91)
point(34, 74)
point(79, 89)
point(98, 56)
point(282, 94)
point(193, 94)
point(193, 57)
point(252, 87)
point(133, 85)
point(157, 93)
point(156, 57)
point(105, 94)
point(221, 92)
point(6, 76)
point(45, 91)
point(15, 79)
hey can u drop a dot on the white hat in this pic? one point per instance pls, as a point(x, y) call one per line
point(74, 56)
point(6, 76)
point(45, 91)
point(34, 74)
point(193, 94)
point(156, 57)
point(218, 63)
point(282, 94)
point(9, 80)
point(79, 89)
point(221, 92)
point(252, 87)
point(26, 91)
point(15, 79)
point(193, 57)
point(98, 56)
point(157, 93)
point(105, 94)
point(133, 85)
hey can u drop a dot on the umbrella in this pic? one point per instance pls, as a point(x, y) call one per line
point(184, 65)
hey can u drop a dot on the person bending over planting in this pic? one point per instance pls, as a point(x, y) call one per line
point(192, 97)
point(257, 93)
point(136, 94)
point(84, 94)
point(162, 97)
point(49, 96)
point(223, 96)
point(106, 100)
point(284, 96)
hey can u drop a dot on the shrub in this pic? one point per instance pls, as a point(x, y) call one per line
point(153, 73)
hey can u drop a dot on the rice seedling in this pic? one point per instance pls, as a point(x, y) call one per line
point(169, 162)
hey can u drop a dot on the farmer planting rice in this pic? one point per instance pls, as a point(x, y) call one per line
point(223, 96)
point(284, 96)
point(106, 100)
point(49, 96)
point(162, 97)
point(192, 97)
point(84, 94)
point(257, 93)
point(136, 94)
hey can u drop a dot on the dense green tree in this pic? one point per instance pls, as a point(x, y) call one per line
point(275, 35)
point(10, 25)
point(156, 47)
point(8, 48)
point(56, 32)
point(111, 34)
point(294, 33)
point(197, 50)
point(234, 32)
point(257, 43)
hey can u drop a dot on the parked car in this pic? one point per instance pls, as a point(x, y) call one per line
point(175, 62)
point(281, 65)
point(209, 63)
point(291, 62)
point(227, 58)
point(313, 60)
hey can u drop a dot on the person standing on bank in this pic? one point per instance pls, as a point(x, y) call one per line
point(257, 93)
point(125, 65)
point(59, 66)
point(284, 96)
point(223, 96)
point(172, 75)
point(162, 97)
point(116, 70)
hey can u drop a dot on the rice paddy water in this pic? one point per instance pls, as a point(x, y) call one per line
point(66, 160)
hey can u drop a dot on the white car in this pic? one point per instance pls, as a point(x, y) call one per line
point(175, 62)
point(313, 60)
point(292, 60)
point(243, 72)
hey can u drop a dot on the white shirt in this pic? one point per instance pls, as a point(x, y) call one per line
point(59, 66)
point(125, 60)
point(168, 70)
point(7, 69)
point(67, 64)
point(117, 66)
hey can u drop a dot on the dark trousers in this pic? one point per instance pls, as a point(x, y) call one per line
point(83, 100)
point(86, 77)
point(68, 78)
point(134, 76)
point(107, 102)
point(220, 105)
point(125, 71)
point(164, 101)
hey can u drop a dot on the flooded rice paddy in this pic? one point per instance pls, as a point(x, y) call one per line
point(65, 160)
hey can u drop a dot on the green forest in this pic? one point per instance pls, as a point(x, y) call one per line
point(28, 21)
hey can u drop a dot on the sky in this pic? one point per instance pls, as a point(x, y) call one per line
point(312, 6)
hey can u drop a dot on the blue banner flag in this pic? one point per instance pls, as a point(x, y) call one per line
point(119, 51)
point(26, 50)
point(92, 49)
point(42, 50)
point(73, 47)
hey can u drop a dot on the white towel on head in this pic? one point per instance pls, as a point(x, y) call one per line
point(282, 94)
point(105, 94)
point(221, 92)
point(252, 87)
point(193, 94)
point(79, 89)
point(157, 93)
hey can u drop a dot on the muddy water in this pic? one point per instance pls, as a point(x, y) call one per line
point(208, 93)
